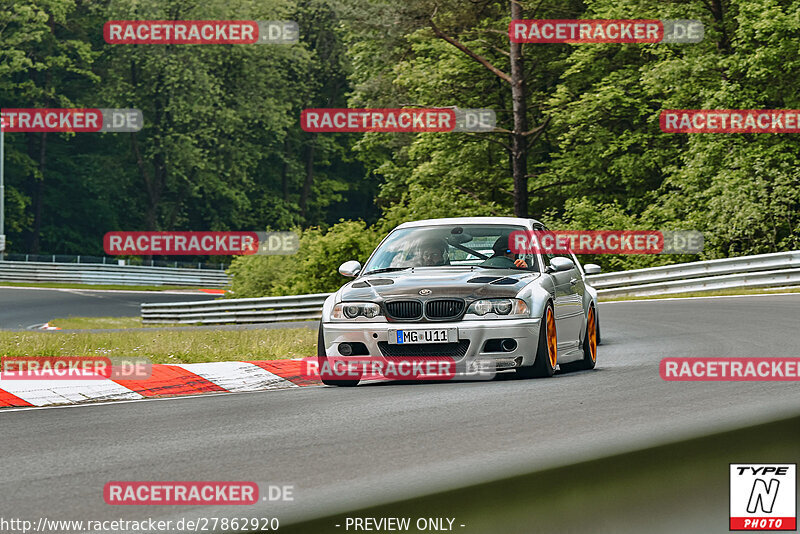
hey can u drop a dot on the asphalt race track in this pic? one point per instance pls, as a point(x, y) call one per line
point(344, 448)
point(24, 307)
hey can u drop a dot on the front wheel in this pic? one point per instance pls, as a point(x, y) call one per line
point(546, 352)
point(322, 360)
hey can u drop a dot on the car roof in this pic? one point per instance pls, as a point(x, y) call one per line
point(518, 221)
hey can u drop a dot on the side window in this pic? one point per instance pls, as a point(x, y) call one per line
point(548, 257)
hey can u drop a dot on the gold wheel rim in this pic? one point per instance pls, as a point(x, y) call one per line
point(591, 330)
point(551, 338)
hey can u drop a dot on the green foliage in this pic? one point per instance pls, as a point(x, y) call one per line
point(222, 148)
point(313, 269)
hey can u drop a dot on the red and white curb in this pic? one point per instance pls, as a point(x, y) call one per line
point(165, 381)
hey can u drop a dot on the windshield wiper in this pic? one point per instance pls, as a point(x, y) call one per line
point(386, 270)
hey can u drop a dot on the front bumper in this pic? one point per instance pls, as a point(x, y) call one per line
point(524, 331)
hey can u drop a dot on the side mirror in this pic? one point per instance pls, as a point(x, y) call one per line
point(350, 268)
point(591, 268)
point(559, 264)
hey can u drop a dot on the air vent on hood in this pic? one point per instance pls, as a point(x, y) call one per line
point(505, 281)
point(497, 280)
point(374, 282)
point(483, 280)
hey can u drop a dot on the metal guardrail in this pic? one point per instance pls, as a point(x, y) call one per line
point(84, 273)
point(765, 270)
point(256, 310)
point(761, 262)
point(106, 260)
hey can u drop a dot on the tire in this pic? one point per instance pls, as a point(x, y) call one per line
point(597, 325)
point(546, 350)
point(322, 359)
point(590, 342)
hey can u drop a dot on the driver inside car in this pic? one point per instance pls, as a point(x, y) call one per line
point(503, 256)
point(431, 253)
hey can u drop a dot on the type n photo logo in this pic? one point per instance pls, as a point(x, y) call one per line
point(763, 497)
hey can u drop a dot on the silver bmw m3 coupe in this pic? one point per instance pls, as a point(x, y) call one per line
point(455, 288)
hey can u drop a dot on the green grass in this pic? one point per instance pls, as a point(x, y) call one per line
point(96, 286)
point(176, 345)
point(717, 293)
point(167, 346)
point(102, 323)
point(86, 323)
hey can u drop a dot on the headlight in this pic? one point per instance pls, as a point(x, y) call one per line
point(499, 307)
point(352, 310)
point(480, 307)
point(503, 307)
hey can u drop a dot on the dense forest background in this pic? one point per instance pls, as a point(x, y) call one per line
point(222, 147)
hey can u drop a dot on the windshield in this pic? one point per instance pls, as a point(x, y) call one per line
point(440, 246)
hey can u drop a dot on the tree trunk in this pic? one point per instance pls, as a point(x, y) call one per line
point(39, 199)
point(37, 190)
point(309, 179)
point(149, 186)
point(519, 147)
point(285, 170)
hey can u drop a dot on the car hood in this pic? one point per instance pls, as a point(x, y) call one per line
point(461, 282)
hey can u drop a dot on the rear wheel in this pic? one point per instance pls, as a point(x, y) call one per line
point(589, 343)
point(546, 352)
point(597, 328)
point(322, 360)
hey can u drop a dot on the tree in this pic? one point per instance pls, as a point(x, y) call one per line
point(44, 62)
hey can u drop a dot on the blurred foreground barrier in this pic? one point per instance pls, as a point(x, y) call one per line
point(131, 275)
point(766, 270)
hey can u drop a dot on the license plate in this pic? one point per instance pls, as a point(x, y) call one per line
point(410, 337)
